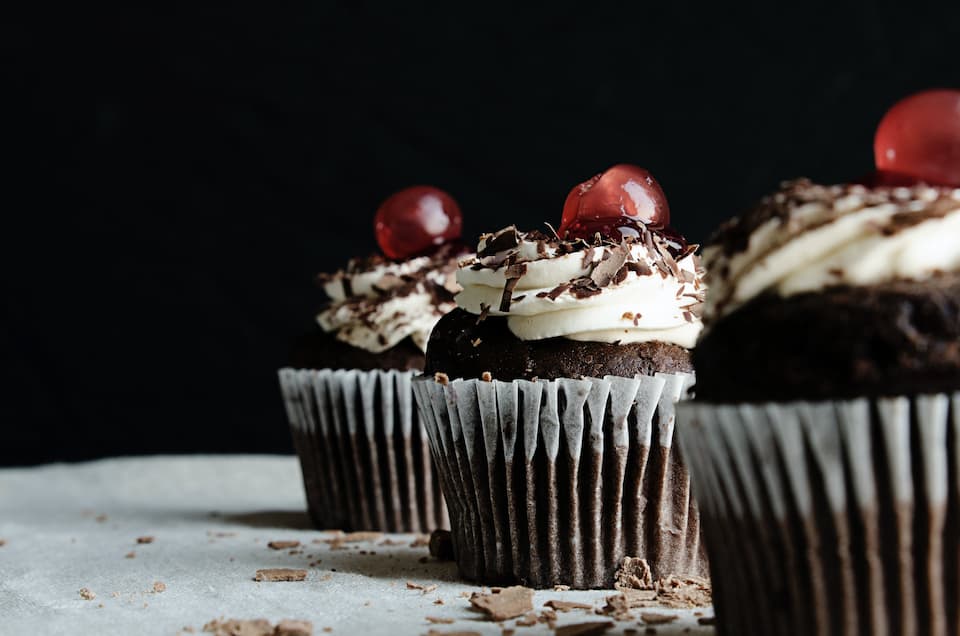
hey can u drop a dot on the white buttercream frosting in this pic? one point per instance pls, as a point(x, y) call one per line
point(808, 237)
point(645, 297)
point(375, 304)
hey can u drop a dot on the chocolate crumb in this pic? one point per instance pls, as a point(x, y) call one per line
point(505, 603)
point(282, 545)
point(441, 545)
point(434, 632)
point(101, 518)
point(707, 620)
point(476, 342)
point(439, 620)
point(144, 539)
point(421, 541)
point(87, 594)
point(280, 574)
point(561, 588)
point(130, 555)
point(159, 586)
point(3, 542)
point(584, 629)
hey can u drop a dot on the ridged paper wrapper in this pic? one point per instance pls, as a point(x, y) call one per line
point(834, 517)
point(554, 482)
point(363, 450)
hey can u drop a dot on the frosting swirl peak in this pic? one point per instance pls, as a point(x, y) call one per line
point(636, 290)
point(375, 302)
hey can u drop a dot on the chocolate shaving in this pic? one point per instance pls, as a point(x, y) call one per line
point(508, 288)
point(484, 312)
point(642, 269)
point(608, 267)
point(592, 628)
point(566, 606)
point(505, 239)
point(280, 574)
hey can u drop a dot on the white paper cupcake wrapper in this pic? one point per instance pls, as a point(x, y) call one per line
point(364, 455)
point(554, 482)
point(830, 517)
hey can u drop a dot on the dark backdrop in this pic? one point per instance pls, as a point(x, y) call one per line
point(179, 177)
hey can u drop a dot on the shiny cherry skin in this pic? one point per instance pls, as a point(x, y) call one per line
point(415, 220)
point(920, 137)
point(621, 193)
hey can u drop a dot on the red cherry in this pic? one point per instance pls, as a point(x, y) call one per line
point(416, 219)
point(920, 137)
point(886, 179)
point(623, 193)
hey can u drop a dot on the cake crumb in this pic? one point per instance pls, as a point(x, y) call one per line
point(476, 342)
point(282, 545)
point(421, 541)
point(486, 376)
point(634, 573)
point(159, 586)
point(3, 542)
point(146, 539)
point(561, 588)
point(130, 555)
point(87, 594)
point(101, 518)
point(707, 620)
point(288, 627)
point(441, 378)
point(280, 574)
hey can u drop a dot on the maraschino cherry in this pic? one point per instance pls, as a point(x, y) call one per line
point(919, 139)
point(415, 220)
point(615, 203)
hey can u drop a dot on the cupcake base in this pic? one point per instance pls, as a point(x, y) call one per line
point(830, 517)
point(363, 452)
point(554, 482)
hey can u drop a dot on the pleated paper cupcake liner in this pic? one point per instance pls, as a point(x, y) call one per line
point(830, 517)
point(554, 482)
point(363, 451)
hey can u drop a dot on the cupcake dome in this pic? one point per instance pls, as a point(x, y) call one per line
point(834, 291)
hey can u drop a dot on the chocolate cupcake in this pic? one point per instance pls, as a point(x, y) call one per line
point(548, 395)
point(365, 460)
point(823, 440)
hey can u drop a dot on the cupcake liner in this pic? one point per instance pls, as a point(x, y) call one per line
point(364, 456)
point(554, 482)
point(835, 517)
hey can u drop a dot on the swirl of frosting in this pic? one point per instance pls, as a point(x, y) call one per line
point(808, 237)
point(375, 303)
point(634, 291)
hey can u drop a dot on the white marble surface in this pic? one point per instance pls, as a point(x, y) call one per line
point(68, 527)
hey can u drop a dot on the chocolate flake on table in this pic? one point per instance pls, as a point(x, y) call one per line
point(3, 542)
point(655, 618)
point(87, 594)
point(159, 587)
point(288, 627)
point(504, 603)
point(566, 606)
point(434, 632)
point(280, 574)
point(439, 620)
point(584, 629)
point(130, 555)
point(421, 541)
point(144, 539)
point(283, 545)
point(549, 616)
point(528, 620)
point(707, 620)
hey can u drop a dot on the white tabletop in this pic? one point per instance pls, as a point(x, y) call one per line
point(67, 527)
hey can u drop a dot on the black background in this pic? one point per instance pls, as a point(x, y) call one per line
point(179, 177)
